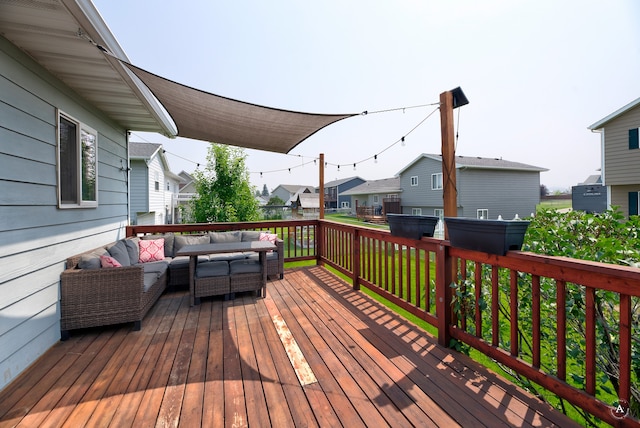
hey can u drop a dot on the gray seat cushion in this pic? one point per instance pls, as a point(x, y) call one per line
point(271, 255)
point(209, 269)
point(244, 266)
point(183, 261)
point(150, 278)
point(159, 267)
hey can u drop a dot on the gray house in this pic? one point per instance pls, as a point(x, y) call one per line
point(487, 187)
point(289, 192)
point(65, 112)
point(154, 188)
point(334, 197)
point(374, 194)
point(620, 148)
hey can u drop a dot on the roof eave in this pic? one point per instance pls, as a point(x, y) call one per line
point(602, 122)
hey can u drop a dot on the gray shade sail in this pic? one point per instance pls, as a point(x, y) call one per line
point(204, 116)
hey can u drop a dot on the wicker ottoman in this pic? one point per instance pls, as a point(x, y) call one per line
point(246, 275)
point(211, 279)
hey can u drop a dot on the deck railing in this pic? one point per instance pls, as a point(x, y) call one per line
point(495, 304)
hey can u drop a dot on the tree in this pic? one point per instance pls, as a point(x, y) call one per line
point(275, 200)
point(265, 191)
point(543, 191)
point(223, 191)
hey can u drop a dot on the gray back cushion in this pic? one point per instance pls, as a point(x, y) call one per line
point(222, 237)
point(133, 249)
point(92, 260)
point(251, 235)
point(168, 242)
point(119, 252)
point(182, 240)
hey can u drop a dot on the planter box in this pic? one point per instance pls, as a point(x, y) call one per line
point(489, 236)
point(412, 226)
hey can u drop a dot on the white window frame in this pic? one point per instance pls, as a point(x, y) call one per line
point(482, 213)
point(416, 211)
point(375, 199)
point(438, 212)
point(85, 159)
point(345, 204)
point(414, 180)
point(436, 181)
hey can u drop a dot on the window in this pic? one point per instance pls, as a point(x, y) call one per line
point(634, 198)
point(157, 181)
point(375, 199)
point(414, 180)
point(634, 142)
point(344, 204)
point(168, 186)
point(77, 164)
point(416, 211)
point(483, 213)
point(438, 212)
point(436, 181)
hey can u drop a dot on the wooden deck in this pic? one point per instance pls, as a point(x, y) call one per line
point(222, 363)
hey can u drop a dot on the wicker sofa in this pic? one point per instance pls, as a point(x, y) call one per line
point(92, 295)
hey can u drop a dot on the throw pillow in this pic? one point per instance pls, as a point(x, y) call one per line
point(109, 262)
point(271, 237)
point(151, 250)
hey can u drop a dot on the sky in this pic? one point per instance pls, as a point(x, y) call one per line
point(536, 74)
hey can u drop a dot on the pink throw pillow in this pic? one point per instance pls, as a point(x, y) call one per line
point(109, 262)
point(151, 250)
point(271, 237)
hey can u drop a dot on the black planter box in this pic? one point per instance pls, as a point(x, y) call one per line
point(489, 236)
point(412, 226)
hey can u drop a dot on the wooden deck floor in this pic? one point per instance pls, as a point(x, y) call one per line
point(222, 363)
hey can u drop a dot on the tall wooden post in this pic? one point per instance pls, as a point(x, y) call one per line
point(449, 191)
point(321, 185)
point(319, 235)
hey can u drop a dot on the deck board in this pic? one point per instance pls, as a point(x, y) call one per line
point(222, 363)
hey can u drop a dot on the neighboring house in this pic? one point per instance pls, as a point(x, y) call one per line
point(65, 112)
point(289, 192)
point(620, 148)
point(486, 187)
point(154, 188)
point(380, 195)
point(333, 192)
point(307, 205)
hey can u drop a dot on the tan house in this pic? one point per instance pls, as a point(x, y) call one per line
point(620, 148)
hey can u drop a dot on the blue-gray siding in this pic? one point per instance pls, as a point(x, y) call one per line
point(502, 192)
point(35, 236)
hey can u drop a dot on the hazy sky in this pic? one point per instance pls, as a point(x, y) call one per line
point(536, 73)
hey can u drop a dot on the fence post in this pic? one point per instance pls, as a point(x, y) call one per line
point(319, 242)
point(445, 266)
point(355, 260)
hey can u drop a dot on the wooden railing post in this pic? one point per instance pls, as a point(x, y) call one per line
point(319, 240)
point(355, 260)
point(444, 278)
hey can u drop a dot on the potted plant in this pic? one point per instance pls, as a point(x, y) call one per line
point(489, 236)
point(412, 226)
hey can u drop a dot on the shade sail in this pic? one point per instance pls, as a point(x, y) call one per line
point(204, 116)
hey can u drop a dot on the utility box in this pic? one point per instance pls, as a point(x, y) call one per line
point(591, 198)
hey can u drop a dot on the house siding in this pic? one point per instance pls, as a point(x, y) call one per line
point(158, 199)
point(621, 163)
point(36, 236)
point(503, 193)
point(620, 196)
point(421, 196)
point(139, 177)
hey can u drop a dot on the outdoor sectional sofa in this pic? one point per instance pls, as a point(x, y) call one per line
point(120, 282)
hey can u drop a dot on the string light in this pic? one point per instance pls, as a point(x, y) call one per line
point(375, 158)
